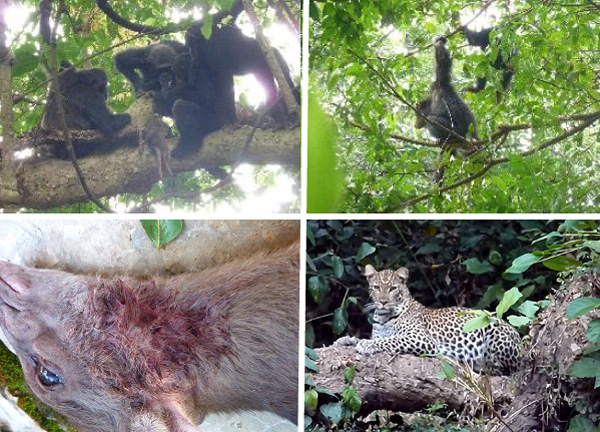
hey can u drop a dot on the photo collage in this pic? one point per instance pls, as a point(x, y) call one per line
point(299, 216)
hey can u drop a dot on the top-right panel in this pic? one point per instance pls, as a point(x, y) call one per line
point(454, 107)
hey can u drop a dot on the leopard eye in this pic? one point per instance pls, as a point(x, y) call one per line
point(393, 287)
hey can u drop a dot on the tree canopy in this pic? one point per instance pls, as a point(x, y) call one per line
point(371, 62)
point(253, 166)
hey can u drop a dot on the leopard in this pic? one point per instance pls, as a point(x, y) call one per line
point(402, 325)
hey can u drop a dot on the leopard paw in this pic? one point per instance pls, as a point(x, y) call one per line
point(346, 341)
point(367, 347)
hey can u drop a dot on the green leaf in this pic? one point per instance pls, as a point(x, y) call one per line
point(311, 398)
point(585, 368)
point(509, 298)
point(309, 364)
point(581, 306)
point(307, 421)
point(591, 349)
point(162, 232)
point(593, 331)
point(476, 323)
point(310, 353)
point(593, 244)
point(338, 266)
point(351, 398)
point(349, 374)
point(519, 321)
point(580, 423)
point(562, 263)
point(310, 235)
point(325, 181)
point(317, 286)
point(365, 250)
point(333, 412)
point(474, 266)
point(529, 309)
point(448, 370)
point(523, 262)
point(340, 320)
point(327, 392)
point(495, 257)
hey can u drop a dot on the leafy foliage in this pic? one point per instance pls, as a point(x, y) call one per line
point(372, 63)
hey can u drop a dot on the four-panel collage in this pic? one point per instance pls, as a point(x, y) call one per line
point(299, 216)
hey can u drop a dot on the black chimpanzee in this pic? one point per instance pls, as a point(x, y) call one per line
point(84, 93)
point(150, 68)
point(481, 39)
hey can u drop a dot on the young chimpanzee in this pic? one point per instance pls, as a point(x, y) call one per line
point(481, 39)
point(149, 68)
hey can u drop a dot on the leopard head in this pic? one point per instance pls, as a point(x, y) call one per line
point(388, 288)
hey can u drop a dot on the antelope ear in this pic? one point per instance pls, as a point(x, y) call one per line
point(370, 270)
point(403, 272)
point(14, 276)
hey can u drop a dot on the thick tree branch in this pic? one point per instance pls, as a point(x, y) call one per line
point(50, 182)
point(398, 383)
point(284, 88)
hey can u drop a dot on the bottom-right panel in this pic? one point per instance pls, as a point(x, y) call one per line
point(452, 325)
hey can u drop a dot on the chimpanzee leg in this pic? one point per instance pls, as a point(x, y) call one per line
point(194, 122)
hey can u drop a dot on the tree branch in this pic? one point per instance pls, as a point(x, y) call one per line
point(493, 162)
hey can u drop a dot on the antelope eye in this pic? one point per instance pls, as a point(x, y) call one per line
point(47, 377)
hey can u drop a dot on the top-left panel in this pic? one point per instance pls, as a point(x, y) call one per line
point(150, 106)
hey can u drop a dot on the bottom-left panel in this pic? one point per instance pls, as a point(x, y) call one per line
point(149, 326)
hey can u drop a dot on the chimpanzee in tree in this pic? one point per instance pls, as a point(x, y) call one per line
point(84, 93)
point(481, 39)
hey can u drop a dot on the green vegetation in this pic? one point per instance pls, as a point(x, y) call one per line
point(372, 62)
point(11, 377)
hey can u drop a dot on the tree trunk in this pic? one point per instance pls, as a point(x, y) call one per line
point(44, 183)
point(548, 397)
point(397, 383)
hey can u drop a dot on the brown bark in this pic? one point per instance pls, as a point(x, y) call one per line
point(546, 391)
point(46, 183)
point(397, 383)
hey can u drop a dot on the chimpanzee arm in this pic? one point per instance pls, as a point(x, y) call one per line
point(131, 60)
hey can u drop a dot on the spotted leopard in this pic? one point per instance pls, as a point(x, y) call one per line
point(401, 325)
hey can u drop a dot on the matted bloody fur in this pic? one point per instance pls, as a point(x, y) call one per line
point(156, 355)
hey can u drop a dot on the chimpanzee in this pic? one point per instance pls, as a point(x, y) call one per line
point(149, 68)
point(481, 39)
point(444, 105)
point(194, 84)
point(84, 94)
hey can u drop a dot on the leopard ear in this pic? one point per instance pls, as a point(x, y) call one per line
point(370, 270)
point(403, 272)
